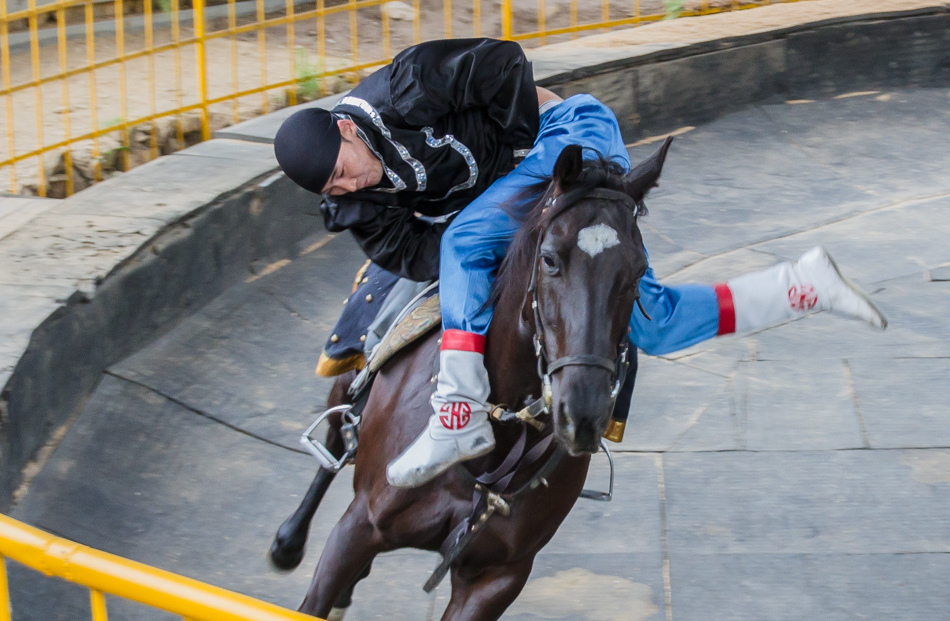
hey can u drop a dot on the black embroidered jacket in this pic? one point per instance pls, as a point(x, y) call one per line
point(447, 119)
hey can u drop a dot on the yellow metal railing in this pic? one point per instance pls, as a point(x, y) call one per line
point(88, 87)
point(105, 573)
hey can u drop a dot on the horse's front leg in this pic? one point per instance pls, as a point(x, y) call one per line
point(286, 551)
point(351, 547)
point(486, 594)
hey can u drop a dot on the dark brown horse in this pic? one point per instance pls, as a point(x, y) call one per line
point(572, 295)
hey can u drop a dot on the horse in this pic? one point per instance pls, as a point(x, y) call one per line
point(557, 298)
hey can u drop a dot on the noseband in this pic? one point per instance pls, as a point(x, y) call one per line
point(619, 365)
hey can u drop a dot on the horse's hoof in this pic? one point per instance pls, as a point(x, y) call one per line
point(336, 614)
point(283, 558)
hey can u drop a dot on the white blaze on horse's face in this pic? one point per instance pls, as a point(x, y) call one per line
point(596, 238)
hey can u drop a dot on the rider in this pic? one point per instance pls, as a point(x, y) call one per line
point(418, 162)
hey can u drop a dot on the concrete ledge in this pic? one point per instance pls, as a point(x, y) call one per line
point(99, 275)
point(90, 280)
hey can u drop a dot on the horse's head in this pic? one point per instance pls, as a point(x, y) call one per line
point(588, 262)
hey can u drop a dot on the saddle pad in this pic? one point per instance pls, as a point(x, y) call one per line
point(343, 350)
point(417, 323)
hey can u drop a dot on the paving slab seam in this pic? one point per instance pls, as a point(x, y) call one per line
point(844, 449)
point(286, 306)
point(903, 203)
point(787, 138)
point(855, 401)
point(661, 492)
point(203, 414)
point(694, 419)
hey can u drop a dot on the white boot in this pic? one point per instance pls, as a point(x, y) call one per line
point(789, 290)
point(459, 428)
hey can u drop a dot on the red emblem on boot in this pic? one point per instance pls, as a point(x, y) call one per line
point(455, 415)
point(802, 298)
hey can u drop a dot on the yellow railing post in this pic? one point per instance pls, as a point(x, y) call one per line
point(573, 19)
point(176, 42)
point(97, 602)
point(64, 67)
point(262, 52)
point(322, 45)
point(235, 82)
point(123, 90)
point(354, 34)
point(93, 105)
point(542, 21)
point(291, 92)
point(8, 98)
point(201, 59)
point(149, 43)
point(5, 611)
point(387, 44)
point(38, 97)
point(505, 19)
point(476, 18)
point(417, 21)
point(447, 13)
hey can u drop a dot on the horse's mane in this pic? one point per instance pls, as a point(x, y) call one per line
point(515, 270)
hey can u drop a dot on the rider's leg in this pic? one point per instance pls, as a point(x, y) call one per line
point(459, 429)
point(472, 249)
point(683, 315)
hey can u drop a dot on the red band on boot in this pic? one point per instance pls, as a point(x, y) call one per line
point(727, 309)
point(459, 340)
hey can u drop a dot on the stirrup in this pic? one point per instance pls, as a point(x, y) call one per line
point(349, 430)
point(609, 494)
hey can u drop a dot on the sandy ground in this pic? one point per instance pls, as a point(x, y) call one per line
point(47, 115)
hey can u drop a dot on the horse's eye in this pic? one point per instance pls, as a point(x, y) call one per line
point(550, 264)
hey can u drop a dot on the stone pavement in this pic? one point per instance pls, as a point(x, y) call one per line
point(799, 473)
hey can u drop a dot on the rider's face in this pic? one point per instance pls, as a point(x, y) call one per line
point(356, 167)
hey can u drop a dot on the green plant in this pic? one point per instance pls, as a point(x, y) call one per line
point(165, 6)
point(111, 122)
point(308, 85)
point(673, 8)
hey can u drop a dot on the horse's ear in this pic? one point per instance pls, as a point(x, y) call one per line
point(641, 179)
point(569, 165)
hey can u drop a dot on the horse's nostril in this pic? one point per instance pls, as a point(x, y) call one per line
point(564, 420)
point(586, 436)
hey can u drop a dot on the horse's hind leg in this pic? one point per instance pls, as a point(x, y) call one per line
point(346, 598)
point(287, 549)
point(484, 595)
point(351, 547)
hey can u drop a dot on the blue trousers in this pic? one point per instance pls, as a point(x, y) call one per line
point(476, 242)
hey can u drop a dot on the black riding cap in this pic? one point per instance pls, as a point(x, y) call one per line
point(307, 145)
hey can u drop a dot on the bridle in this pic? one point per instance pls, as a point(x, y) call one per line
point(617, 366)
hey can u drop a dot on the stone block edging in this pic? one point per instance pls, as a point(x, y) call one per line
point(96, 277)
